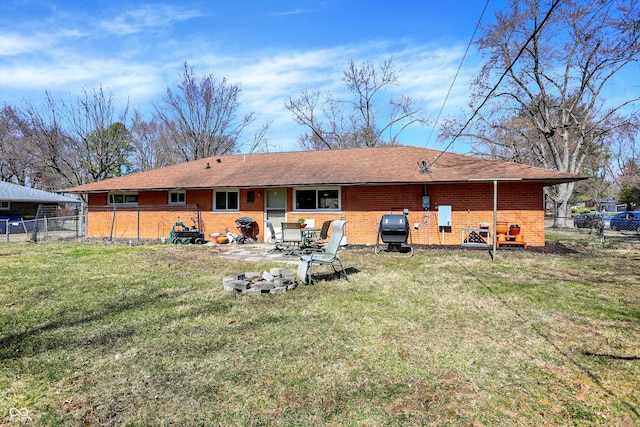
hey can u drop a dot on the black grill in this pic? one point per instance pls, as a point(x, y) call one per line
point(248, 228)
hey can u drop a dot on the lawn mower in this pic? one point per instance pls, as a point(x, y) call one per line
point(182, 234)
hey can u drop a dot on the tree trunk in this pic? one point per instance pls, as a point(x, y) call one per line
point(562, 213)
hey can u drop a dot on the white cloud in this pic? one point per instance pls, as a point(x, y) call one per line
point(147, 17)
point(297, 11)
point(137, 67)
point(17, 44)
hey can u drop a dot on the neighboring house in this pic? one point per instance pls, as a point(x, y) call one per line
point(357, 185)
point(19, 201)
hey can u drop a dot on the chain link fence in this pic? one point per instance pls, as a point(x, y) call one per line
point(44, 229)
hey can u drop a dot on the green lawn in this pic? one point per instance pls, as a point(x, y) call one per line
point(96, 334)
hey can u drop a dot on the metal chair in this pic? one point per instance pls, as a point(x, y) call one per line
point(328, 256)
point(273, 238)
point(316, 243)
point(291, 236)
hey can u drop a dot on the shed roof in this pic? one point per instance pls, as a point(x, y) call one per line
point(358, 166)
point(18, 193)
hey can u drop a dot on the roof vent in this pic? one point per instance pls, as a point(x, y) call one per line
point(208, 166)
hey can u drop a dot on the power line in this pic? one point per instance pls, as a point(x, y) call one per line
point(446, 98)
point(495, 87)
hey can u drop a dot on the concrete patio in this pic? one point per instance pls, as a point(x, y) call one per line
point(256, 252)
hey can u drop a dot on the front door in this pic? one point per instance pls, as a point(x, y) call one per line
point(275, 209)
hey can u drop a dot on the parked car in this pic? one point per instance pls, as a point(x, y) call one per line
point(587, 220)
point(629, 220)
point(13, 224)
point(606, 217)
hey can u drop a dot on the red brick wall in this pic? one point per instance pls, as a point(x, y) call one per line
point(518, 203)
point(472, 203)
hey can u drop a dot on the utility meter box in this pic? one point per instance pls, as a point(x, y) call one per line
point(444, 216)
point(426, 202)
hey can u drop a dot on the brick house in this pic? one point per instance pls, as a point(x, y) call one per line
point(358, 185)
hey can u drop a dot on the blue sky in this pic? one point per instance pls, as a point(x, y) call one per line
point(272, 48)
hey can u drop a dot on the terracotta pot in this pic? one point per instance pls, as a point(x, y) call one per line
point(223, 239)
point(502, 237)
point(502, 227)
point(303, 224)
point(514, 230)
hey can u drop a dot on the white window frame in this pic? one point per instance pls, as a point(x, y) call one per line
point(124, 194)
point(317, 189)
point(178, 194)
point(5, 205)
point(226, 191)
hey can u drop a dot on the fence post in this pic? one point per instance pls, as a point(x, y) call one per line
point(113, 223)
point(6, 226)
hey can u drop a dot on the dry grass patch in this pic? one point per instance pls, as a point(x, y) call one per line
point(94, 334)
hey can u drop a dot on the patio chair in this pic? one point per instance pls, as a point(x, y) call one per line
point(328, 256)
point(291, 236)
point(273, 237)
point(316, 243)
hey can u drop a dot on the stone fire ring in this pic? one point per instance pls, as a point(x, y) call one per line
point(276, 281)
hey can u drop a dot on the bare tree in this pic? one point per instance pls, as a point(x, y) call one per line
point(43, 126)
point(17, 161)
point(628, 165)
point(202, 116)
point(152, 144)
point(82, 140)
point(554, 60)
point(360, 121)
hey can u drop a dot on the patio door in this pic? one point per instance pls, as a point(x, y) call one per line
point(275, 208)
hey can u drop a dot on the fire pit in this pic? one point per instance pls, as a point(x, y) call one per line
point(276, 281)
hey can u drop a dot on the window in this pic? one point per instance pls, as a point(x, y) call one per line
point(226, 201)
point(177, 197)
point(317, 199)
point(123, 198)
point(5, 205)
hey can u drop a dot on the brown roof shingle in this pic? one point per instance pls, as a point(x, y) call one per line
point(358, 166)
